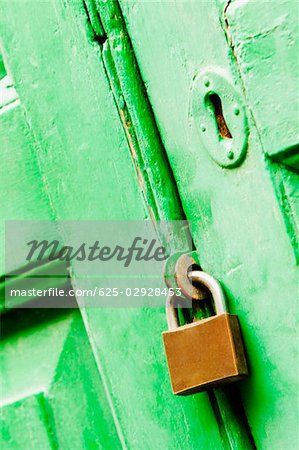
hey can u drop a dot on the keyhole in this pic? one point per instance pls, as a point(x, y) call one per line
point(216, 105)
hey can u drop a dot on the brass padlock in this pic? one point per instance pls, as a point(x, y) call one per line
point(206, 353)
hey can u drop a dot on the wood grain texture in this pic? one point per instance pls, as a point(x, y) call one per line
point(20, 177)
point(266, 52)
point(238, 221)
point(51, 394)
point(87, 167)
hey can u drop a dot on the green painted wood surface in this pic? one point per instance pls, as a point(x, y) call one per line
point(231, 420)
point(238, 215)
point(51, 394)
point(99, 156)
point(266, 52)
point(89, 174)
point(20, 176)
point(16, 429)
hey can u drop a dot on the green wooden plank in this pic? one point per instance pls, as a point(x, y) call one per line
point(233, 426)
point(29, 351)
point(238, 221)
point(86, 164)
point(152, 158)
point(20, 177)
point(266, 51)
point(256, 46)
point(18, 432)
point(50, 386)
point(83, 417)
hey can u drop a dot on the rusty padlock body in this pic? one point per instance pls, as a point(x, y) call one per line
point(207, 353)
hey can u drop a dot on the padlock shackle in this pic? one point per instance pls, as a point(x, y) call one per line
point(214, 287)
point(171, 313)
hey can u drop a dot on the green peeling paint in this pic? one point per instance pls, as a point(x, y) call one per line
point(99, 120)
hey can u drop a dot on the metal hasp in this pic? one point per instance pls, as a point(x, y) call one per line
point(206, 353)
point(175, 270)
point(218, 113)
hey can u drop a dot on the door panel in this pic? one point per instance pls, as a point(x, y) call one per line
point(51, 392)
point(86, 164)
point(98, 154)
point(237, 215)
point(20, 175)
point(266, 53)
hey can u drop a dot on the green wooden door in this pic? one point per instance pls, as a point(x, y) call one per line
point(104, 117)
